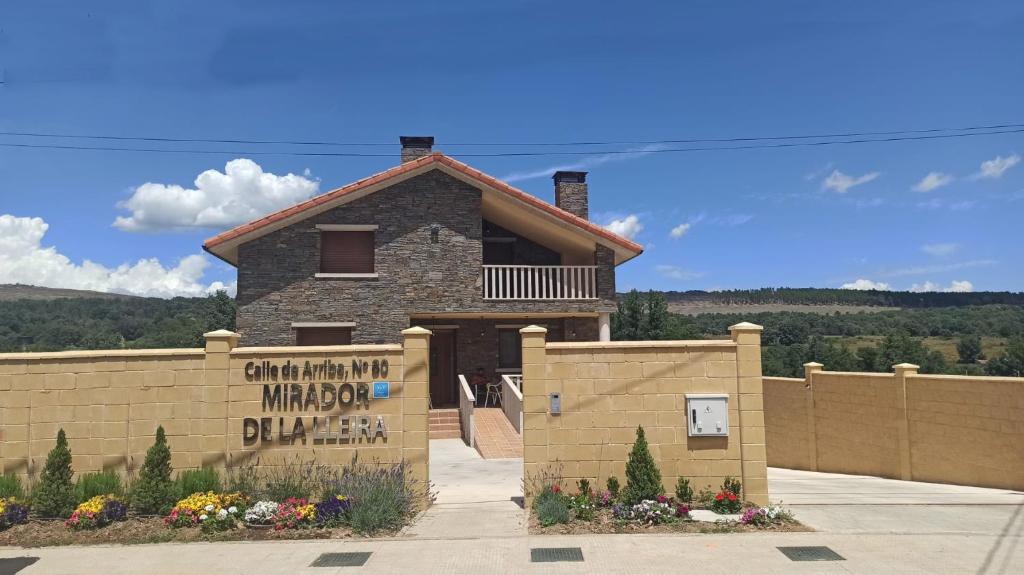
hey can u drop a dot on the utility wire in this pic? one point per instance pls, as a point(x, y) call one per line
point(753, 146)
point(510, 144)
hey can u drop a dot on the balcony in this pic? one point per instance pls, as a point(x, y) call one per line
point(507, 282)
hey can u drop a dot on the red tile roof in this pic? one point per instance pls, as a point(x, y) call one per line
point(400, 169)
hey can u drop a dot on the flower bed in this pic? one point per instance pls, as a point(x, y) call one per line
point(12, 512)
point(210, 511)
point(99, 511)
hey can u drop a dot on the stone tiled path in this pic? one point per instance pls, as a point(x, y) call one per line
point(495, 437)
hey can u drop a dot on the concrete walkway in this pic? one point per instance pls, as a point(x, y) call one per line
point(476, 497)
point(860, 504)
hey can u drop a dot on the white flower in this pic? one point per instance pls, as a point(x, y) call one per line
point(232, 510)
point(202, 517)
point(222, 514)
point(208, 508)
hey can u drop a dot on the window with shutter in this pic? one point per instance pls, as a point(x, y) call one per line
point(346, 252)
point(323, 336)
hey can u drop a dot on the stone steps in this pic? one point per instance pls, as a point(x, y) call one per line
point(444, 424)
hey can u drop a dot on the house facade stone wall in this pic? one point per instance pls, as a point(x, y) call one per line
point(276, 272)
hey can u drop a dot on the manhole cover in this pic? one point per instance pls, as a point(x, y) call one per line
point(552, 554)
point(11, 565)
point(810, 554)
point(352, 559)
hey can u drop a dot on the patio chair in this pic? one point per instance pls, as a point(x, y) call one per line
point(493, 391)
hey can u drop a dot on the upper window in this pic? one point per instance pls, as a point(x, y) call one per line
point(346, 252)
point(323, 336)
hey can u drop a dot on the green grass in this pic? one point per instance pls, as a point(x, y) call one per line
point(990, 346)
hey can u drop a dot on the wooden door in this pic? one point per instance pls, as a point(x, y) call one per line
point(442, 369)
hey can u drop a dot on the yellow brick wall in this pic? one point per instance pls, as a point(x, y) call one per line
point(785, 413)
point(936, 428)
point(609, 388)
point(109, 404)
point(967, 430)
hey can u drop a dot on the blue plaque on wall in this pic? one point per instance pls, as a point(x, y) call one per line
point(381, 389)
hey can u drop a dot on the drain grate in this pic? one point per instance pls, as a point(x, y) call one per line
point(351, 559)
point(810, 554)
point(553, 554)
point(10, 566)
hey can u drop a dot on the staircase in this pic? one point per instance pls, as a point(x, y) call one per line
point(444, 424)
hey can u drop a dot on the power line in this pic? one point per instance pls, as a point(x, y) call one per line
point(754, 146)
point(510, 144)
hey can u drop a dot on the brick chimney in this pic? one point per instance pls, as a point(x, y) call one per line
point(571, 193)
point(415, 147)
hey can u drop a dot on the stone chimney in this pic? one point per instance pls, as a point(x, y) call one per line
point(415, 147)
point(571, 193)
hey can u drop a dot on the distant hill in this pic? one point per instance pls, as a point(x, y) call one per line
point(10, 292)
point(827, 300)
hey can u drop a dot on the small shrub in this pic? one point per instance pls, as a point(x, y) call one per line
point(12, 512)
point(11, 487)
point(295, 513)
point(93, 484)
point(220, 510)
point(552, 507)
point(54, 496)
point(583, 486)
point(333, 511)
point(302, 479)
point(583, 506)
point(613, 486)
point(192, 481)
point(648, 511)
point(242, 479)
point(643, 480)
point(261, 513)
point(705, 497)
point(382, 497)
point(154, 492)
point(684, 493)
point(98, 512)
point(732, 484)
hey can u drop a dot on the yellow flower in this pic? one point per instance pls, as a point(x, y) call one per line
point(94, 505)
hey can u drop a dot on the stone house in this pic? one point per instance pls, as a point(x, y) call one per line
point(430, 242)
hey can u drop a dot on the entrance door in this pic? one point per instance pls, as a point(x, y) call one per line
point(442, 369)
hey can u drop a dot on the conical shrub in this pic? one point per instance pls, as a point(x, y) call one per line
point(54, 496)
point(643, 480)
point(154, 492)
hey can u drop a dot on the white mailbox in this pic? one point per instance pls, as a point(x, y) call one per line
point(707, 414)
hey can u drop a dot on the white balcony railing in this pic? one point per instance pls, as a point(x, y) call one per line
point(540, 282)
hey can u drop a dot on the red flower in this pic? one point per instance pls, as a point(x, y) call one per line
point(662, 499)
point(731, 496)
point(719, 497)
point(556, 489)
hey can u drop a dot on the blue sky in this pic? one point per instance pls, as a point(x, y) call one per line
point(526, 72)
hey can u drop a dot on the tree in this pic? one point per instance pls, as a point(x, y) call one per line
point(969, 349)
point(627, 321)
point(1011, 362)
point(154, 492)
point(643, 480)
point(55, 494)
point(656, 318)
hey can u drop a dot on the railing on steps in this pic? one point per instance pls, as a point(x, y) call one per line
point(467, 401)
point(512, 400)
point(540, 282)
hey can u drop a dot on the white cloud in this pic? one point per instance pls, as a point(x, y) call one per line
point(677, 273)
point(932, 181)
point(242, 193)
point(941, 249)
point(995, 167)
point(23, 259)
point(863, 284)
point(627, 227)
point(586, 162)
point(939, 204)
point(680, 230)
point(954, 286)
point(842, 183)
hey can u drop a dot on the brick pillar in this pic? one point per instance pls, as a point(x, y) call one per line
point(810, 369)
point(535, 408)
point(415, 391)
point(903, 370)
point(216, 379)
point(750, 403)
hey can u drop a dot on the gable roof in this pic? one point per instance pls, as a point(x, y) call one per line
point(225, 245)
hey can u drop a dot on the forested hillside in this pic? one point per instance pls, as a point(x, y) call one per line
point(827, 296)
point(111, 323)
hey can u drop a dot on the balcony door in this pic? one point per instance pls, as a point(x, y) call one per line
point(442, 369)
